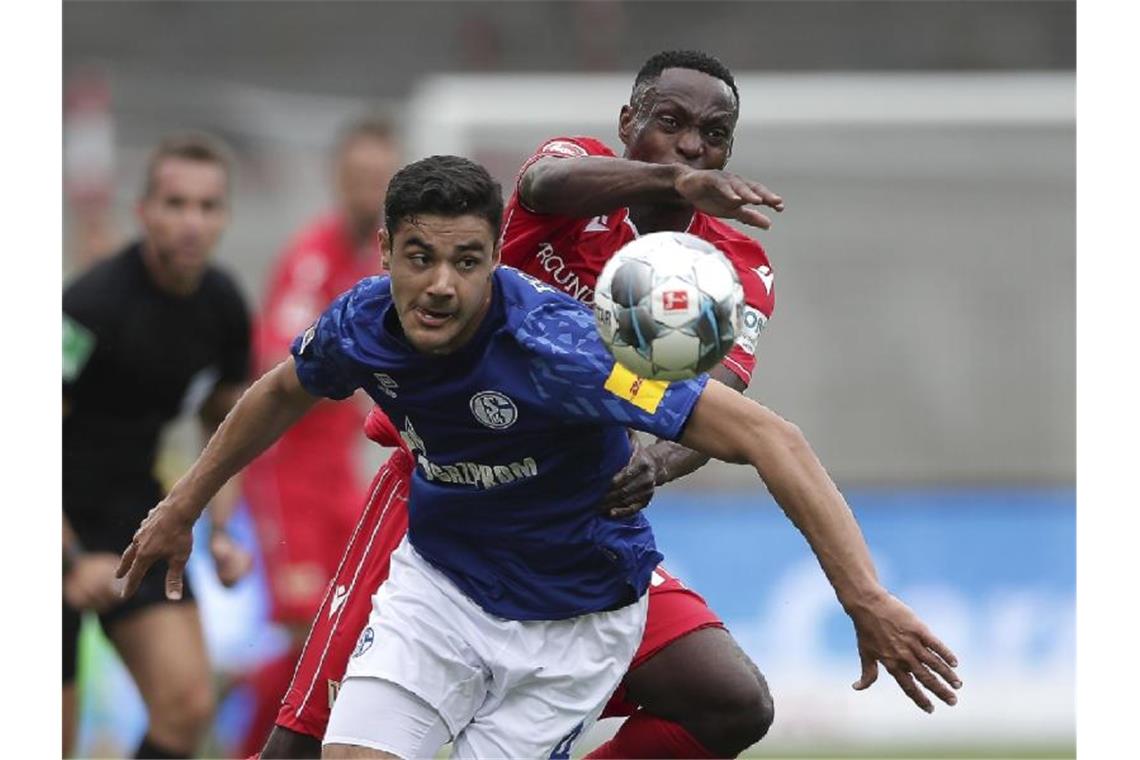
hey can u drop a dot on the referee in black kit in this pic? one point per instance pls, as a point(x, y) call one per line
point(151, 332)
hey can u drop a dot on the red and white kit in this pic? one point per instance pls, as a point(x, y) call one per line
point(304, 493)
point(568, 253)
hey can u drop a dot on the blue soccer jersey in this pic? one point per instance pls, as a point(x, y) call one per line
point(517, 436)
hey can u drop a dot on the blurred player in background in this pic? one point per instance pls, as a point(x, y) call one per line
point(151, 332)
point(305, 493)
point(514, 605)
point(575, 206)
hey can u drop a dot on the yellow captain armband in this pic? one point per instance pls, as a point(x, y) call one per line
point(642, 393)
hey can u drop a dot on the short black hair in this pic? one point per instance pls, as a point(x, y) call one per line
point(443, 185)
point(681, 59)
point(190, 146)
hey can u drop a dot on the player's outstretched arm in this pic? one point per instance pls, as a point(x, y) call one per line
point(593, 185)
point(728, 426)
point(265, 411)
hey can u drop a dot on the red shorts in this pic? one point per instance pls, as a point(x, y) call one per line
point(673, 609)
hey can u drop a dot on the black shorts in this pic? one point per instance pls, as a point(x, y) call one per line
point(151, 592)
point(105, 516)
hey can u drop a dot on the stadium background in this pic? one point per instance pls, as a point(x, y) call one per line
point(924, 335)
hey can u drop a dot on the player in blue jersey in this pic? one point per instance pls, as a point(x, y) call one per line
point(514, 606)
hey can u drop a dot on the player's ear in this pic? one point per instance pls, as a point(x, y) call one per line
point(625, 124)
point(385, 249)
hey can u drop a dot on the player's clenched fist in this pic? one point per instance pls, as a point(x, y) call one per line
point(164, 534)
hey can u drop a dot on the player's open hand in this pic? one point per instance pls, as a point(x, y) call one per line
point(231, 560)
point(90, 584)
point(164, 534)
point(632, 488)
point(727, 195)
point(889, 632)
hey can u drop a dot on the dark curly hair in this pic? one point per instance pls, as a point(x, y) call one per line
point(681, 59)
point(444, 185)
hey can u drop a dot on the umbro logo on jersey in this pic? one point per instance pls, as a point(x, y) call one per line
point(494, 410)
point(387, 384)
point(339, 596)
point(766, 276)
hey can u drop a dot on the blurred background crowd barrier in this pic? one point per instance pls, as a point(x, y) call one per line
point(924, 333)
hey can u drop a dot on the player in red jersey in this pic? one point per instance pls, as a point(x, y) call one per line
point(575, 205)
point(305, 494)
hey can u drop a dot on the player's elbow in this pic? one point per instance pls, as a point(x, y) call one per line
point(772, 433)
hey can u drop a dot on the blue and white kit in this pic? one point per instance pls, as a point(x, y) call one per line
point(514, 606)
point(517, 438)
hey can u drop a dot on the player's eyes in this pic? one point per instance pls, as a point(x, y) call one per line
point(716, 136)
point(668, 121)
point(468, 264)
point(419, 259)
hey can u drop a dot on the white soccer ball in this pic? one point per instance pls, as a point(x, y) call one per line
point(668, 305)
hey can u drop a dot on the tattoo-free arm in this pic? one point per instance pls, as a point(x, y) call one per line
point(593, 185)
point(265, 411)
point(728, 426)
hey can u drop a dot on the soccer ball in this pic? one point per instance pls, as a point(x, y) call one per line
point(668, 306)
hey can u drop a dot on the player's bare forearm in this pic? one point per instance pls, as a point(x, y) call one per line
point(730, 427)
point(672, 460)
point(211, 415)
point(592, 185)
point(268, 408)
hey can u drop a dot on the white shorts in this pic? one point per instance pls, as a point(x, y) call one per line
point(502, 688)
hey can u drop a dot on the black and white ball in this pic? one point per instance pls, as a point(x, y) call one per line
point(668, 305)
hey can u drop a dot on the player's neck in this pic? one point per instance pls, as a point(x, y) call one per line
point(654, 218)
point(165, 279)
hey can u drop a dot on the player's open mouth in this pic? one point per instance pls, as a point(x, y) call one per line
point(430, 318)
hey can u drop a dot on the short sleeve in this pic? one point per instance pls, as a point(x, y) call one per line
point(565, 147)
point(572, 371)
point(322, 365)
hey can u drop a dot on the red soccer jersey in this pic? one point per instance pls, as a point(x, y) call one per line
point(569, 252)
point(310, 473)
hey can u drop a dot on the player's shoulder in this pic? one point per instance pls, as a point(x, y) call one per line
point(573, 147)
point(542, 318)
point(104, 284)
point(368, 296)
point(739, 247)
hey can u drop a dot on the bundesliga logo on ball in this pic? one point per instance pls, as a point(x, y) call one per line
point(668, 306)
